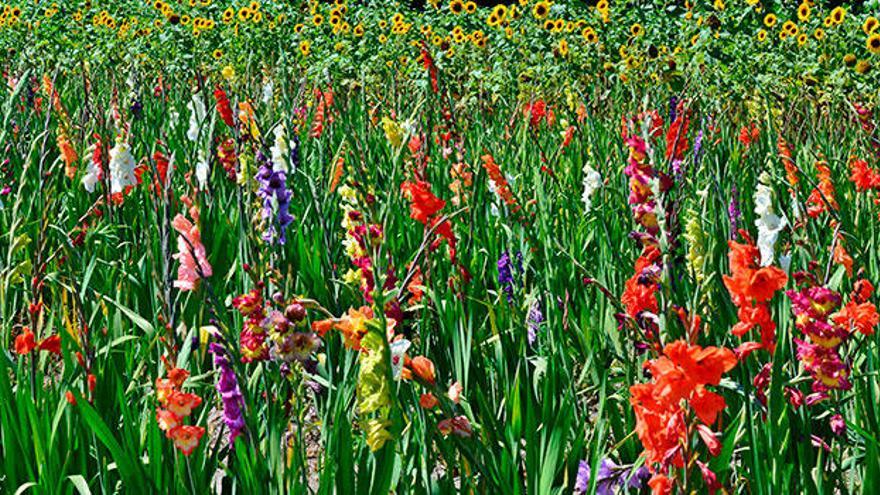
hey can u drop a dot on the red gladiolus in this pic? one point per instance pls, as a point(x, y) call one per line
point(751, 287)
point(223, 106)
point(428, 401)
point(428, 63)
point(186, 438)
point(680, 376)
point(25, 342)
point(51, 344)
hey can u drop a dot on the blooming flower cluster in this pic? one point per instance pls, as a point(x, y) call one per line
point(663, 407)
point(276, 197)
point(230, 393)
point(360, 238)
point(191, 253)
point(592, 183)
point(769, 224)
point(610, 477)
point(822, 197)
point(174, 407)
point(252, 338)
point(827, 328)
point(751, 288)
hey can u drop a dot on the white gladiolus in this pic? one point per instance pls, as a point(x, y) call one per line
point(268, 92)
point(280, 150)
point(122, 165)
point(202, 170)
point(769, 224)
point(93, 171)
point(197, 113)
point(592, 183)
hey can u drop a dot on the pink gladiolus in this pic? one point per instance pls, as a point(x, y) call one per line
point(190, 253)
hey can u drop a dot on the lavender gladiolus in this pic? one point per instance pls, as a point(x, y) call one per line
point(230, 393)
point(276, 196)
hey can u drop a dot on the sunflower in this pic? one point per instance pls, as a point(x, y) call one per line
point(359, 30)
point(636, 30)
point(383, 38)
point(500, 11)
point(863, 67)
point(493, 20)
point(873, 44)
point(849, 60)
point(398, 17)
point(305, 47)
point(870, 25)
point(838, 14)
point(245, 14)
point(299, 28)
point(790, 28)
point(770, 20)
point(540, 10)
point(228, 14)
point(589, 35)
point(762, 35)
point(802, 39)
point(819, 34)
point(558, 26)
point(470, 7)
point(803, 12)
point(217, 54)
point(828, 22)
point(549, 24)
point(563, 48)
point(718, 4)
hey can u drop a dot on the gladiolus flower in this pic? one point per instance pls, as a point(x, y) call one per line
point(167, 421)
point(25, 342)
point(186, 438)
point(51, 344)
point(190, 253)
point(182, 404)
point(458, 426)
point(423, 369)
point(223, 106)
point(428, 401)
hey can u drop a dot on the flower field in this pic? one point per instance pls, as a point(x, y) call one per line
point(439, 247)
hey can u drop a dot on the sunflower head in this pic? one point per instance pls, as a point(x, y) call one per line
point(803, 12)
point(873, 43)
point(838, 14)
point(540, 10)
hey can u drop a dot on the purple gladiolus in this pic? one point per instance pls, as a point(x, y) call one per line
point(611, 476)
point(276, 196)
point(535, 318)
point(230, 393)
point(733, 213)
point(505, 276)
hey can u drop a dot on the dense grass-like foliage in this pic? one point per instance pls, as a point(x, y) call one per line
point(437, 251)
